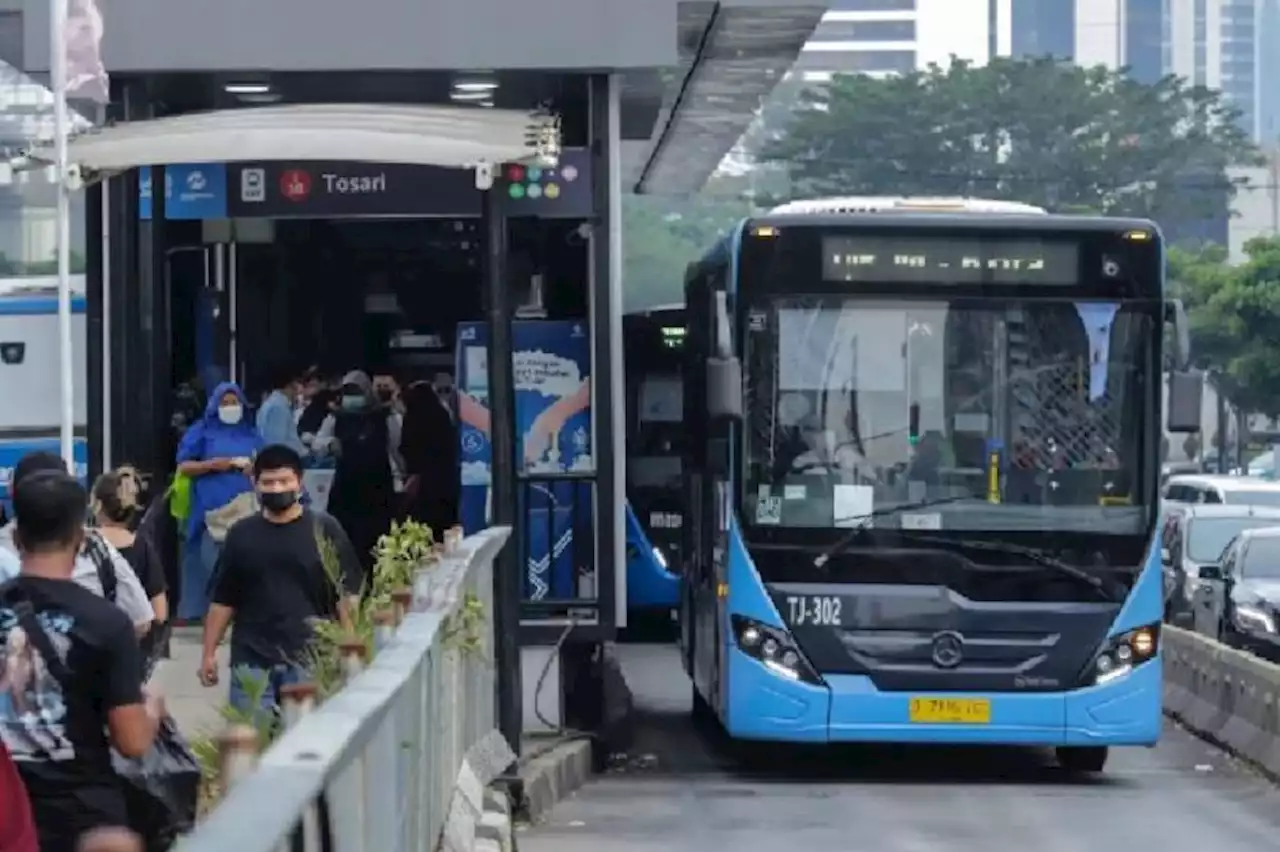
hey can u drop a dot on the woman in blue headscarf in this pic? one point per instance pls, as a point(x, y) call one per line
point(216, 452)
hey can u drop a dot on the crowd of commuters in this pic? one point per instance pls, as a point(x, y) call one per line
point(85, 606)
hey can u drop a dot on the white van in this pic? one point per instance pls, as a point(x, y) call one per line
point(1232, 490)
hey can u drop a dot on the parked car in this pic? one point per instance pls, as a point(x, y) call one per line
point(1243, 592)
point(1194, 535)
point(1217, 488)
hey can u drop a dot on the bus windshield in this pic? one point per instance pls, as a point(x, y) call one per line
point(1002, 413)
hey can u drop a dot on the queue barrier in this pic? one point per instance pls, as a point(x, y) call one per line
point(1224, 694)
point(401, 756)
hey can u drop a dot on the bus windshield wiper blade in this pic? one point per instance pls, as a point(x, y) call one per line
point(1034, 554)
point(850, 537)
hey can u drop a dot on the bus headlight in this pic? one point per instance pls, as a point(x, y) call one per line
point(660, 558)
point(1122, 653)
point(774, 648)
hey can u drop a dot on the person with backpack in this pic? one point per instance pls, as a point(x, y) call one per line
point(71, 687)
point(99, 567)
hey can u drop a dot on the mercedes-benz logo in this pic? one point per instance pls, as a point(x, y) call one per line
point(948, 650)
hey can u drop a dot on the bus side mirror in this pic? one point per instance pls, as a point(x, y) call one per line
point(1183, 401)
point(1176, 315)
point(724, 388)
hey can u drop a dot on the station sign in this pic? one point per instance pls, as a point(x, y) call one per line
point(324, 189)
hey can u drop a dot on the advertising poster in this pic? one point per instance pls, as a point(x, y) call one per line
point(552, 367)
point(551, 363)
point(474, 451)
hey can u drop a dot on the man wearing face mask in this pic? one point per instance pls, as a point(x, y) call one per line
point(272, 582)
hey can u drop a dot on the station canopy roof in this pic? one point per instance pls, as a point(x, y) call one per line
point(733, 53)
point(450, 136)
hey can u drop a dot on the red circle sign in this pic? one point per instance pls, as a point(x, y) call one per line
point(295, 184)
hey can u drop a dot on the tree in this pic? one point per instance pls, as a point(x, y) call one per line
point(660, 237)
point(1234, 311)
point(1040, 131)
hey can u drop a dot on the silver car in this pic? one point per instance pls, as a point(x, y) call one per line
point(1196, 535)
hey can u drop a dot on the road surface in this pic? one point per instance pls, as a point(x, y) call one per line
point(678, 791)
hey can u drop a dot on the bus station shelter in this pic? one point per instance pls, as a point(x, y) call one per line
point(246, 113)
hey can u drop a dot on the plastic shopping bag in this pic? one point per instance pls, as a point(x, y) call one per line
point(161, 788)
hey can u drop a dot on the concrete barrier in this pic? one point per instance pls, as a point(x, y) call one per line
point(1225, 695)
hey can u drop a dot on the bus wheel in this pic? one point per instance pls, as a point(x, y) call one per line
point(1082, 759)
point(704, 715)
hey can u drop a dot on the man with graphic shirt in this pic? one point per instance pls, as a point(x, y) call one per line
point(70, 685)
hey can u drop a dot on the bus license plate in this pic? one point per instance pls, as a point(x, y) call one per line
point(950, 711)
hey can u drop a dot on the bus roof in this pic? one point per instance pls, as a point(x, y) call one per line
point(905, 204)
point(1032, 222)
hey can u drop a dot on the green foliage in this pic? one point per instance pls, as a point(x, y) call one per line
point(1234, 313)
point(661, 236)
point(464, 630)
point(1038, 131)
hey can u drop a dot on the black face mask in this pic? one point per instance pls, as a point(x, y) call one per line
point(278, 501)
point(385, 394)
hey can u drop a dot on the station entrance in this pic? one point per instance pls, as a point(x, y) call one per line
point(206, 270)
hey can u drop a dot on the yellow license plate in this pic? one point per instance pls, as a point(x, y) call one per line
point(950, 711)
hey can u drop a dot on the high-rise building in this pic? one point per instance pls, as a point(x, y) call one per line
point(881, 37)
point(1233, 46)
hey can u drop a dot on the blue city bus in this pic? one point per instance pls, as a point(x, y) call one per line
point(655, 447)
point(922, 472)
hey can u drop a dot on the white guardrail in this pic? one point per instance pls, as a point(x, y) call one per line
point(400, 757)
point(1231, 697)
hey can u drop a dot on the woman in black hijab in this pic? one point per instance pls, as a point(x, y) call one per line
point(429, 445)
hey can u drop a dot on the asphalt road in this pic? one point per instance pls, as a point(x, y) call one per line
point(679, 790)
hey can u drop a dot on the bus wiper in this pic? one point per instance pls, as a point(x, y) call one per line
point(1035, 555)
point(850, 537)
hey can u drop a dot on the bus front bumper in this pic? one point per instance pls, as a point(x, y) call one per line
point(761, 705)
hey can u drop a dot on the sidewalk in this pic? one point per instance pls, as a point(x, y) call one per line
point(194, 707)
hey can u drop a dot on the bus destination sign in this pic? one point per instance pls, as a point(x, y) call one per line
point(948, 260)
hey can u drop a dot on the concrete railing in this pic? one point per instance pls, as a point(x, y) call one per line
point(400, 757)
point(1229, 696)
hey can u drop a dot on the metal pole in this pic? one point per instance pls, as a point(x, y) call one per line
point(502, 487)
point(58, 85)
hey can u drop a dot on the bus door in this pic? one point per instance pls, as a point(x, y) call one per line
point(704, 488)
point(655, 464)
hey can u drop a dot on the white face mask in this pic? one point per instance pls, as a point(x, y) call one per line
point(230, 414)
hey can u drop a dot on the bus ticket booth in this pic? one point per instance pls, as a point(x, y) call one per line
point(482, 243)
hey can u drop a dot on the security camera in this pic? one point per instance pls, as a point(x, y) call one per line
point(484, 176)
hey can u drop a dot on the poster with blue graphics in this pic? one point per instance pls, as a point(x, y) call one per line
point(12, 450)
point(474, 450)
point(551, 365)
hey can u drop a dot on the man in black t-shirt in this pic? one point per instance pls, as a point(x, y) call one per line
point(272, 581)
point(70, 672)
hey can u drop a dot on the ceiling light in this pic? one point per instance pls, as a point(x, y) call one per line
point(247, 88)
point(475, 86)
point(486, 104)
point(471, 96)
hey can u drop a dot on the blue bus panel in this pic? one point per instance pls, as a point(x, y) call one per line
point(764, 701)
point(650, 583)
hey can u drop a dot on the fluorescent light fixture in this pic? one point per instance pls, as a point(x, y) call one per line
point(486, 104)
point(247, 88)
point(475, 85)
point(471, 96)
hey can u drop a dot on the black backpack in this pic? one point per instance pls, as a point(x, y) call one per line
point(96, 549)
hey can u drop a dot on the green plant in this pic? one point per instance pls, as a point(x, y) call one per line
point(463, 631)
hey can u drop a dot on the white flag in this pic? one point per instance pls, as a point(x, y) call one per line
point(86, 75)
